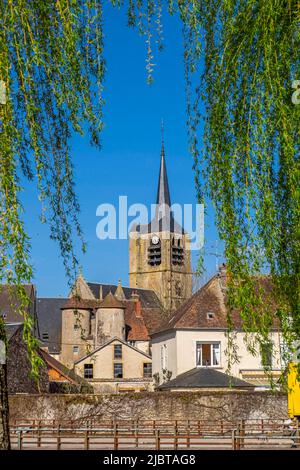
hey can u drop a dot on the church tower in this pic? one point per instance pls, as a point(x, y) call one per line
point(159, 255)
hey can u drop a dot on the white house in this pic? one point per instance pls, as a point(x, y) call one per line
point(195, 336)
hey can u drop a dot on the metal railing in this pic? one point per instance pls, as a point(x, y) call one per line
point(152, 434)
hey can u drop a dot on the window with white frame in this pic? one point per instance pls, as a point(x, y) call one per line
point(164, 356)
point(208, 354)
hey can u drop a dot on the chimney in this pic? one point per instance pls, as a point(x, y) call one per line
point(223, 275)
point(100, 292)
point(137, 304)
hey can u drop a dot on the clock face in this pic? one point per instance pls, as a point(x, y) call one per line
point(155, 240)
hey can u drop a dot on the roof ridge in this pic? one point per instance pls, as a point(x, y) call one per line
point(182, 309)
point(116, 285)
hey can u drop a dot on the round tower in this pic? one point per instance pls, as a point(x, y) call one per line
point(110, 321)
point(76, 330)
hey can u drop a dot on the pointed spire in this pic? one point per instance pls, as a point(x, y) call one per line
point(163, 193)
point(119, 294)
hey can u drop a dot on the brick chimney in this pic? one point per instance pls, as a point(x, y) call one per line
point(137, 304)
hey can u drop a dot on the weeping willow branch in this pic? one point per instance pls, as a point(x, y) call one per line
point(241, 58)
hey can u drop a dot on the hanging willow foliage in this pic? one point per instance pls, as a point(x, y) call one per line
point(52, 65)
point(251, 155)
point(241, 58)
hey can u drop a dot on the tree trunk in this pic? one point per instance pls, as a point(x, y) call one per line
point(4, 411)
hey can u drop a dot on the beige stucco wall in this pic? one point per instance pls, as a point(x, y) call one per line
point(143, 346)
point(103, 361)
point(168, 339)
point(181, 346)
point(109, 323)
point(71, 337)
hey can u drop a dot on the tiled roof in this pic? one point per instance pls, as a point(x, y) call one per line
point(110, 301)
point(204, 378)
point(9, 303)
point(75, 302)
point(68, 374)
point(207, 307)
point(49, 322)
point(136, 327)
point(148, 297)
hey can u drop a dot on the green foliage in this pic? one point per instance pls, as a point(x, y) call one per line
point(51, 60)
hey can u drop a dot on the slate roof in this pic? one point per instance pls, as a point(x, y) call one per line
point(12, 329)
point(204, 378)
point(75, 302)
point(9, 303)
point(210, 299)
point(148, 297)
point(49, 322)
point(138, 327)
point(166, 222)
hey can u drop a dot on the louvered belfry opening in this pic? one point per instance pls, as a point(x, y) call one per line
point(154, 254)
point(177, 252)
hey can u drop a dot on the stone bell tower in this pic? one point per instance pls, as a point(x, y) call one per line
point(159, 255)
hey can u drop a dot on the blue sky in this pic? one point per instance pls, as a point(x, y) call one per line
point(128, 163)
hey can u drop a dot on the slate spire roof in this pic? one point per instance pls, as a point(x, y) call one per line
point(163, 219)
point(163, 192)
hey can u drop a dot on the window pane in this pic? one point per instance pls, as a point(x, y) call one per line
point(118, 351)
point(206, 355)
point(118, 371)
point(88, 371)
point(147, 369)
point(216, 354)
point(266, 354)
point(198, 354)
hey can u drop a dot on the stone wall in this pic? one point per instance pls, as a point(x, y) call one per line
point(156, 405)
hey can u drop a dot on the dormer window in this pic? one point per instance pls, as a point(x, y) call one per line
point(210, 315)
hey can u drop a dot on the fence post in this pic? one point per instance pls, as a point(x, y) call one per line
point(58, 438)
point(39, 434)
point(233, 439)
point(157, 439)
point(20, 438)
point(237, 437)
point(176, 435)
point(188, 441)
point(136, 433)
point(242, 434)
point(86, 440)
point(116, 443)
